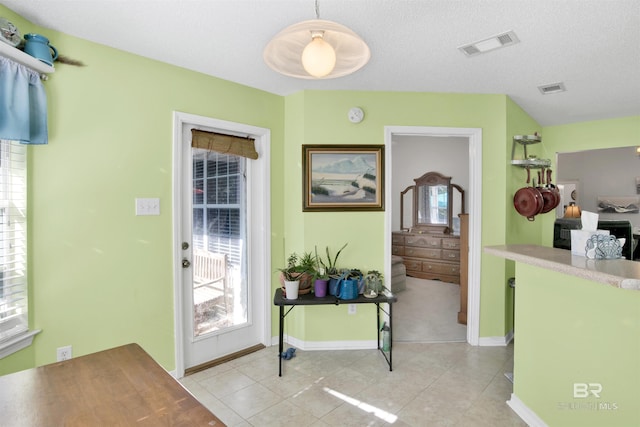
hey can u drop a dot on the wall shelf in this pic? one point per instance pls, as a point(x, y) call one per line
point(25, 59)
point(532, 163)
point(527, 161)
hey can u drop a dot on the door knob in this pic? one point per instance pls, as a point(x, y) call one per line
point(186, 263)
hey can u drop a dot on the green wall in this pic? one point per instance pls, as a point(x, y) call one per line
point(320, 117)
point(100, 276)
point(571, 330)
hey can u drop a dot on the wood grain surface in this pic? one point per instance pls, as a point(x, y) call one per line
point(122, 386)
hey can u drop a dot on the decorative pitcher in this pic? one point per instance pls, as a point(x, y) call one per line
point(38, 46)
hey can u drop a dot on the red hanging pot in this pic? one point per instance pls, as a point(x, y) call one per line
point(548, 195)
point(554, 189)
point(528, 201)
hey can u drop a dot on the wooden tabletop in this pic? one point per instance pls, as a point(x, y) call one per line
point(122, 386)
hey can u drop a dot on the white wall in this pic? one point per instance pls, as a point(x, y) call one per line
point(605, 172)
point(413, 156)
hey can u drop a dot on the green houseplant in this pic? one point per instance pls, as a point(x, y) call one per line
point(320, 278)
point(331, 269)
point(299, 268)
point(330, 266)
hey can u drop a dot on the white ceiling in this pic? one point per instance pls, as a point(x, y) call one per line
point(593, 46)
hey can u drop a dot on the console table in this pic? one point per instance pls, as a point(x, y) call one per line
point(311, 299)
point(116, 387)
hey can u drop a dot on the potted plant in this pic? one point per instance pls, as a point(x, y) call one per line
point(331, 269)
point(320, 278)
point(331, 264)
point(289, 277)
point(307, 268)
point(300, 269)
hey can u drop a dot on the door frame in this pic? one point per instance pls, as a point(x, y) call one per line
point(258, 196)
point(475, 209)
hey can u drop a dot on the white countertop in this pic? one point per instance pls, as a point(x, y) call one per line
point(620, 273)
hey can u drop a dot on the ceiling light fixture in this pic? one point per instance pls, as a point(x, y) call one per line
point(316, 49)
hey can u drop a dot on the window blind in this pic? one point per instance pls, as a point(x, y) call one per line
point(218, 203)
point(13, 230)
point(225, 144)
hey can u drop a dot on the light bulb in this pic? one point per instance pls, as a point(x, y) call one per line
point(318, 57)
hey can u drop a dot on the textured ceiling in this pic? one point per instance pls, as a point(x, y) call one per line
point(593, 46)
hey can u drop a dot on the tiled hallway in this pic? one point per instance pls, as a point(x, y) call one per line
point(451, 384)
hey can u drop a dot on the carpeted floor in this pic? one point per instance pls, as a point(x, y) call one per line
point(427, 312)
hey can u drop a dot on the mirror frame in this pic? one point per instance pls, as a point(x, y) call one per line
point(430, 178)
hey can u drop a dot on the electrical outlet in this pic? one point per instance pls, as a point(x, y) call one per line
point(63, 353)
point(351, 309)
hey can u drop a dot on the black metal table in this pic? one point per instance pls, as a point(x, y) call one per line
point(311, 299)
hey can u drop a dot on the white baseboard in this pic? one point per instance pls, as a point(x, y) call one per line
point(372, 345)
point(496, 341)
point(326, 345)
point(523, 411)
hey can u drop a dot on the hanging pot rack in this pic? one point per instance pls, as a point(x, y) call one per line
point(528, 161)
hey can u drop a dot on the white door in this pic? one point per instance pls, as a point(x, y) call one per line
point(222, 245)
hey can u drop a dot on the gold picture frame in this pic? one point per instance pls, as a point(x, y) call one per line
point(343, 178)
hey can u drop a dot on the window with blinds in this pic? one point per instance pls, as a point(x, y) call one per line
point(13, 230)
point(218, 203)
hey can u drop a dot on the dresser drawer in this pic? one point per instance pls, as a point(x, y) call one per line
point(450, 255)
point(423, 241)
point(397, 250)
point(440, 268)
point(422, 252)
point(413, 264)
point(397, 239)
point(450, 243)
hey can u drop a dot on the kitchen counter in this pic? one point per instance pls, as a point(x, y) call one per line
point(577, 337)
point(620, 273)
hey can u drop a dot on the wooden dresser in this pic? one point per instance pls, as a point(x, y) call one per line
point(428, 256)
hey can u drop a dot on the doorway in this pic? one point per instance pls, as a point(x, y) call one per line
point(221, 244)
point(474, 197)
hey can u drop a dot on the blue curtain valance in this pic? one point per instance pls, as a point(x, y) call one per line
point(23, 104)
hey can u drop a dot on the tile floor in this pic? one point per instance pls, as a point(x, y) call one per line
point(451, 384)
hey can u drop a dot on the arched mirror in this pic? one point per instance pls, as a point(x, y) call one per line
point(434, 202)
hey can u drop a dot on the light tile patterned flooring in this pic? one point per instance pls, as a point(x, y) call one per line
point(451, 384)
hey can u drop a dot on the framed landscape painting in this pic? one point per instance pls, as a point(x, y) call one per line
point(343, 178)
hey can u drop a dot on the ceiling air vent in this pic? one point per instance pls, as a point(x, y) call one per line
point(492, 43)
point(552, 88)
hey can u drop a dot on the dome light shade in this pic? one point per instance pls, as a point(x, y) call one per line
point(318, 57)
point(285, 52)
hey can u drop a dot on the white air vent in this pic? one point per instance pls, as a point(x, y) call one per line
point(552, 88)
point(492, 43)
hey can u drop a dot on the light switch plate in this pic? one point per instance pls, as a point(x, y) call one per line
point(147, 206)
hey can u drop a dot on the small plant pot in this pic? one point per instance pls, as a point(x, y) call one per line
point(291, 289)
point(320, 287)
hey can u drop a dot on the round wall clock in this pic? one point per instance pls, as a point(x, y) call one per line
point(356, 115)
point(9, 33)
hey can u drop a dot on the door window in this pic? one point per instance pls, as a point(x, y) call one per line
point(219, 236)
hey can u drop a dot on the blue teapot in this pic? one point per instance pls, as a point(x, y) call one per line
point(38, 46)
